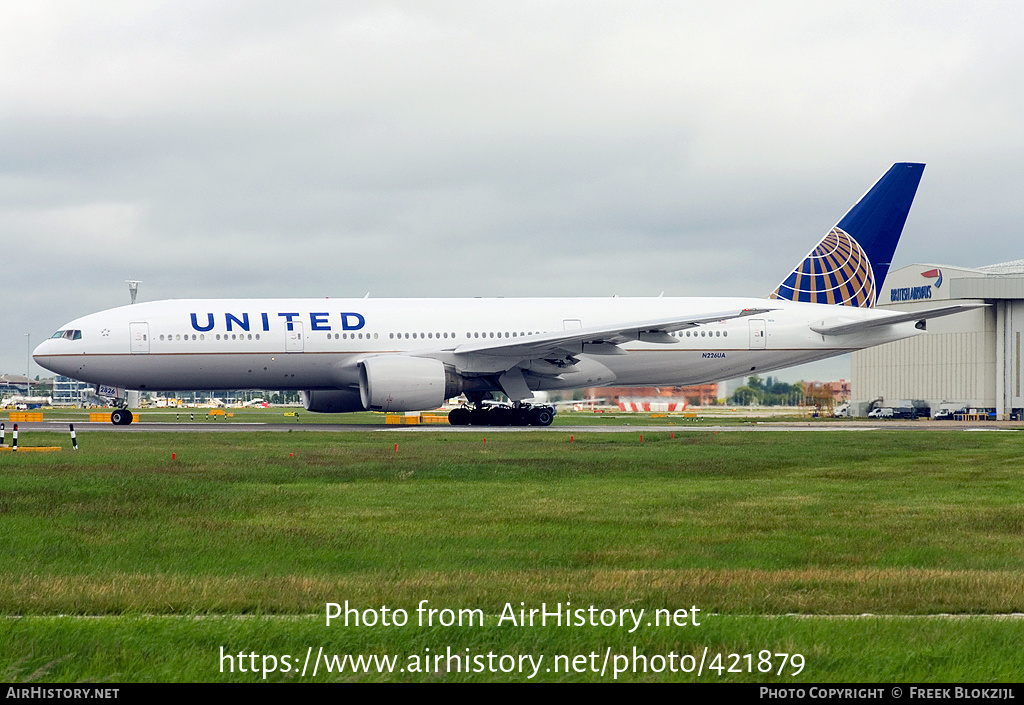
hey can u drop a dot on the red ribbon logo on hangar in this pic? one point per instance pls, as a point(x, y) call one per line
point(934, 274)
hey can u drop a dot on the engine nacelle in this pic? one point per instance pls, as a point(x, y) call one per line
point(402, 383)
point(331, 401)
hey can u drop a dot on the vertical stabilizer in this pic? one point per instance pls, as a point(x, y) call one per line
point(850, 263)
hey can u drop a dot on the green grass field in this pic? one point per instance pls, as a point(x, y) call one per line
point(748, 527)
point(697, 416)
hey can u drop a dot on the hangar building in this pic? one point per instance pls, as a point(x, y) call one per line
point(970, 359)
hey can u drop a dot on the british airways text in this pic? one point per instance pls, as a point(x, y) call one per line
point(910, 293)
point(346, 320)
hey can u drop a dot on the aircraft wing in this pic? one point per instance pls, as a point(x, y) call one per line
point(845, 328)
point(554, 353)
point(601, 340)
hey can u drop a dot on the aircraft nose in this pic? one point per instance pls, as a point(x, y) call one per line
point(42, 350)
point(44, 355)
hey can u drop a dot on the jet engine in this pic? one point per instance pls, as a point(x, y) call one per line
point(402, 383)
point(331, 401)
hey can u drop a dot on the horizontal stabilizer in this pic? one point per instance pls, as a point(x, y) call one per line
point(920, 316)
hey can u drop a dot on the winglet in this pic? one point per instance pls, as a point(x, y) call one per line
point(850, 263)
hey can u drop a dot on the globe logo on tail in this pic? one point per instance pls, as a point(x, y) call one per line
point(836, 272)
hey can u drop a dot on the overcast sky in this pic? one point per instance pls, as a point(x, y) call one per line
point(250, 149)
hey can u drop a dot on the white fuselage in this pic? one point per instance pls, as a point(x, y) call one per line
point(312, 344)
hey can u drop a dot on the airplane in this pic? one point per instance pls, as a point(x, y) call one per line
point(347, 355)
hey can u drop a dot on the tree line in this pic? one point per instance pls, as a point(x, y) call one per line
point(768, 392)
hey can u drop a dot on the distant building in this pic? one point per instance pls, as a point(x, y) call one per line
point(13, 384)
point(840, 389)
point(68, 392)
point(697, 395)
point(972, 359)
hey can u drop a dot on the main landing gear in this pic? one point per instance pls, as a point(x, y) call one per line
point(502, 415)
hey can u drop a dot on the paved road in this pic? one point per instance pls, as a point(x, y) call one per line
point(240, 427)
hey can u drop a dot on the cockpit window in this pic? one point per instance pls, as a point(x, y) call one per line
point(69, 334)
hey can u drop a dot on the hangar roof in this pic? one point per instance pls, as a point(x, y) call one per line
point(919, 282)
point(1014, 267)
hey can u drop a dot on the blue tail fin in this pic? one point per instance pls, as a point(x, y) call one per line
point(849, 265)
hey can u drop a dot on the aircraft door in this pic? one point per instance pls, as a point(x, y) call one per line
point(758, 334)
point(139, 333)
point(293, 338)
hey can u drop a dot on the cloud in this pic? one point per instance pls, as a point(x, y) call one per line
point(457, 148)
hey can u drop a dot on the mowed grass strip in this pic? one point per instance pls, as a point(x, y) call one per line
point(827, 522)
point(816, 591)
point(124, 649)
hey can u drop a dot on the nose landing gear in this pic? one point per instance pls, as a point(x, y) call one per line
point(121, 417)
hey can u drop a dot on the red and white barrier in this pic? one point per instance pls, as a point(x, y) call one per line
point(656, 406)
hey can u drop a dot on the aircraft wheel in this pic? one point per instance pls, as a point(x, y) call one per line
point(459, 417)
point(479, 417)
point(541, 416)
point(499, 416)
point(121, 417)
point(520, 417)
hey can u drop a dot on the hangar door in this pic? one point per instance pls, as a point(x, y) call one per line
point(1015, 353)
